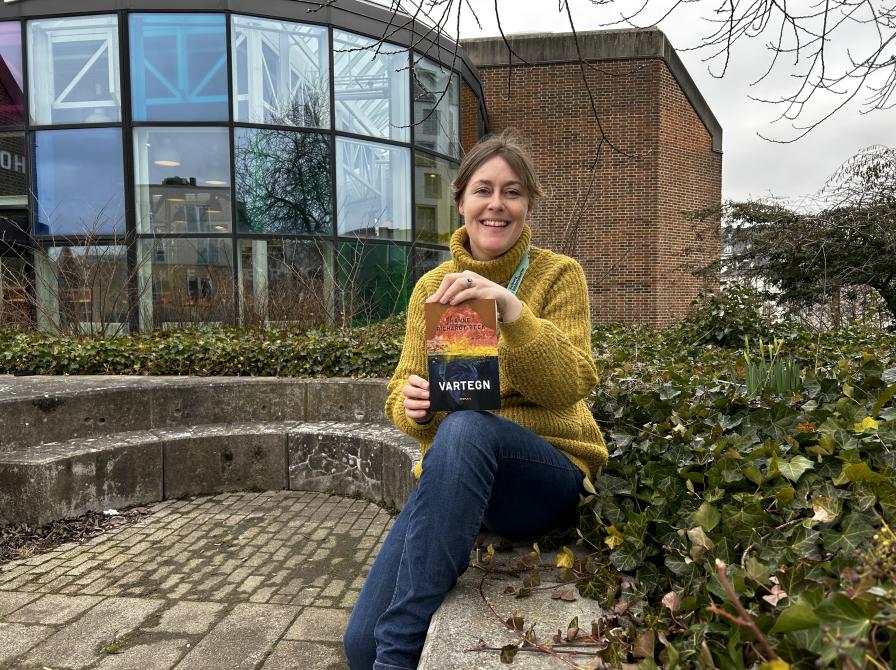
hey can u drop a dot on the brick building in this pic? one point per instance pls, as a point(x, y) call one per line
point(660, 156)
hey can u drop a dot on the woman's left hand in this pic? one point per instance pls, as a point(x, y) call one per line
point(457, 287)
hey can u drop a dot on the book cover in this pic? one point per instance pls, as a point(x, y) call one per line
point(462, 353)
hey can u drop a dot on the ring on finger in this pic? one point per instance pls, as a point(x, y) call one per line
point(469, 282)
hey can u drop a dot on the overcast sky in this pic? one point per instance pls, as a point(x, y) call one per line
point(752, 167)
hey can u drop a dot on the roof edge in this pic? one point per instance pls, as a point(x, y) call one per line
point(596, 45)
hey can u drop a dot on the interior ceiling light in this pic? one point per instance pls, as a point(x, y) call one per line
point(167, 156)
point(215, 182)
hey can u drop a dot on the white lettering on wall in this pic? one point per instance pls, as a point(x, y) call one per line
point(12, 162)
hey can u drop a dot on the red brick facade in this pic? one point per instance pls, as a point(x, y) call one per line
point(624, 219)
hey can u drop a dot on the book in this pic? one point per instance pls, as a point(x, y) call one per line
point(462, 355)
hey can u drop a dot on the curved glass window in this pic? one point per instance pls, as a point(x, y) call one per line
point(12, 96)
point(78, 182)
point(281, 73)
point(371, 89)
point(283, 182)
point(73, 74)
point(286, 281)
point(436, 107)
point(82, 289)
point(374, 280)
point(178, 67)
point(434, 206)
point(372, 189)
point(13, 178)
point(185, 281)
point(182, 180)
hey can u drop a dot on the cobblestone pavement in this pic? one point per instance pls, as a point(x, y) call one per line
point(238, 580)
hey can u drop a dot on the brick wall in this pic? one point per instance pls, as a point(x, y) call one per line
point(622, 220)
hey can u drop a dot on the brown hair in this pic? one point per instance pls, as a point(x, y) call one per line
point(508, 146)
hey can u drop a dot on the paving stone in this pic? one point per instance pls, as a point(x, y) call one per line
point(306, 656)
point(53, 609)
point(187, 618)
point(16, 639)
point(10, 601)
point(81, 642)
point(161, 655)
point(242, 639)
point(319, 624)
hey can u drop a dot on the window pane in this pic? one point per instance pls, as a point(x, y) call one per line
point(12, 98)
point(78, 182)
point(13, 186)
point(73, 70)
point(436, 213)
point(281, 73)
point(373, 190)
point(182, 180)
point(374, 280)
point(179, 67)
point(283, 182)
point(15, 307)
point(429, 259)
point(82, 289)
point(436, 107)
point(371, 87)
point(286, 281)
point(184, 282)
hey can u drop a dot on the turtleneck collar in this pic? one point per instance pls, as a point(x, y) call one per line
point(499, 269)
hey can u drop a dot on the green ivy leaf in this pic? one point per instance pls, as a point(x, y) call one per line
point(795, 467)
point(707, 516)
point(795, 617)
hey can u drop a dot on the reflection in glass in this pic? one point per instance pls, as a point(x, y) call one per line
point(371, 87)
point(78, 182)
point(82, 289)
point(12, 96)
point(372, 187)
point(281, 73)
point(429, 259)
point(178, 67)
point(374, 281)
point(185, 281)
point(13, 179)
point(286, 281)
point(73, 70)
point(283, 181)
point(182, 180)
point(15, 307)
point(436, 213)
point(436, 107)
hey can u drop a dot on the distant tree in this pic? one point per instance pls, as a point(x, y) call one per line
point(812, 257)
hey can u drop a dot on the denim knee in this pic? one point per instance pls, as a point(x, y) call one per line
point(464, 440)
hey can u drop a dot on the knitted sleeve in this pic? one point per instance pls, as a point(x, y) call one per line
point(412, 361)
point(548, 358)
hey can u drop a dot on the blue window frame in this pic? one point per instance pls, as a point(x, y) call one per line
point(179, 67)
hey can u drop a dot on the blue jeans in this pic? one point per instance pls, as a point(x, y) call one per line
point(480, 470)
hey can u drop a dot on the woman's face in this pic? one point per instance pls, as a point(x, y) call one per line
point(494, 206)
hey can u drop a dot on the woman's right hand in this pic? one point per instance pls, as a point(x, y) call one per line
point(416, 399)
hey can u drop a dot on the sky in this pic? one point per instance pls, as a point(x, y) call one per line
point(752, 167)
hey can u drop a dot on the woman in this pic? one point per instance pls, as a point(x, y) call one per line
point(518, 471)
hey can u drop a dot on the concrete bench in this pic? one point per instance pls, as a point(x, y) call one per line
point(68, 445)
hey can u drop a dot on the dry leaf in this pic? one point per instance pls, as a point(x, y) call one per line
point(509, 589)
point(672, 601)
point(516, 621)
point(643, 646)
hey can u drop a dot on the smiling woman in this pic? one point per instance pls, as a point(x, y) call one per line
point(518, 471)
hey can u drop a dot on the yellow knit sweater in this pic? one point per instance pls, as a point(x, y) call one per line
point(544, 356)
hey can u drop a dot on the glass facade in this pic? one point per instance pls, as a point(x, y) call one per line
point(218, 167)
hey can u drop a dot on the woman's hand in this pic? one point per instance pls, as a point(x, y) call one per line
point(458, 287)
point(416, 399)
